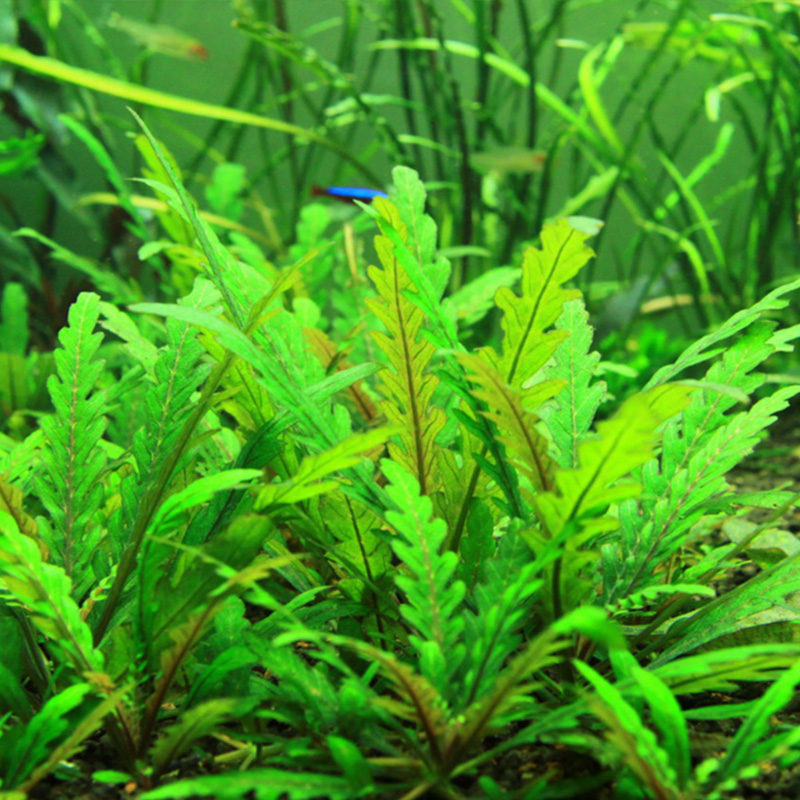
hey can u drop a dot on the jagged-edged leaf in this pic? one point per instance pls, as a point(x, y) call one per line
point(309, 481)
point(175, 614)
point(511, 410)
point(527, 343)
point(701, 350)
point(427, 274)
point(433, 606)
point(79, 730)
point(503, 600)
point(45, 590)
point(11, 501)
point(360, 546)
point(718, 670)
point(572, 412)
point(646, 597)
point(697, 454)
point(468, 475)
point(72, 463)
point(478, 548)
point(259, 450)
point(536, 655)
point(136, 344)
point(624, 442)
point(413, 248)
point(298, 401)
point(527, 347)
point(333, 360)
point(575, 510)
point(227, 273)
point(406, 384)
point(34, 742)
point(409, 197)
point(422, 701)
point(14, 383)
point(474, 300)
point(308, 695)
point(159, 445)
point(172, 512)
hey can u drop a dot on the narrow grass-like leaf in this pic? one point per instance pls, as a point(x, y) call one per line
point(635, 744)
point(741, 750)
point(58, 70)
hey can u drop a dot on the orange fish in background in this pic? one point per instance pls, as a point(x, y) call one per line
point(159, 38)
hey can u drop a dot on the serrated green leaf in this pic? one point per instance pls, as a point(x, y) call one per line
point(433, 596)
point(572, 412)
point(72, 463)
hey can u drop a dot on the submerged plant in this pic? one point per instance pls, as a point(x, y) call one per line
point(371, 571)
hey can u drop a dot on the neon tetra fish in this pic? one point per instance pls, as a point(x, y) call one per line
point(348, 193)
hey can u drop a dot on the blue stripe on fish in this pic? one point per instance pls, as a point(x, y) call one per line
point(349, 192)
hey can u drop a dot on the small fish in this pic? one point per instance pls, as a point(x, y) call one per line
point(508, 159)
point(159, 38)
point(348, 193)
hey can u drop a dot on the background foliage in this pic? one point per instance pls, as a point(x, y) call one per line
point(314, 500)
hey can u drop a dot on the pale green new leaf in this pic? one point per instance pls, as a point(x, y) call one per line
point(572, 412)
point(526, 346)
point(434, 598)
point(624, 443)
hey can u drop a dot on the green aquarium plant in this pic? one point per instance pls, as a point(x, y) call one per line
point(266, 545)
